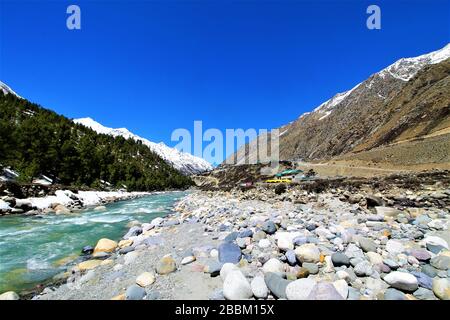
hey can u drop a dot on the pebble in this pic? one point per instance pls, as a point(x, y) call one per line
point(187, 260)
point(226, 269)
point(134, 292)
point(308, 253)
point(145, 279)
point(394, 294)
point(367, 245)
point(424, 280)
point(341, 287)
point(394, 247)
point(166, 265)
point(441, 262)
point(311, 267)
point(402, 281)
point(290, 257)
point(273, 265)
point(363, 269)
point(441, 288)
point(339, 259)
point(264, 243)
point(276, 284)
point(229, 252)
point(269, 227)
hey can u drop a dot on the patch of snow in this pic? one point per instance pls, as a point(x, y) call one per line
point(182, 161)
point(8, 90)
point(406, 68)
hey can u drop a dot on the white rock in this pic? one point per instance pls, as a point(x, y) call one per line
point(188, 259)
point(341, 287)
point(226, 269)
point(435, 241)
point(236, 287)
point(145, 279)
point(300, 289)
point(308, 253)
point(394, 247)
point(9, 295)
point(374, 258)
point(259, 287)
point(284, 241)
point(402, 281)
point(328, 265)
point(273, 265)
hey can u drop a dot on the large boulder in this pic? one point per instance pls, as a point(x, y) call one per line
point(236, 286)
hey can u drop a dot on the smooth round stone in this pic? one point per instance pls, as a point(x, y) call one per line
point(441, 288)
point(324, 291)
point(226, 269)
point(394, 294)
point(276, 284)
point(9, 295)
point(264, 243)
point(383, 268)
point(291, 258)
point(269, 227)
point(441, 262)
point(302, 273)
point(229, 252)
point(145, 279)
point(273, 265)
point(435, 241)
point(300, 289)
point(236, 287)
point(402, 281)
point(424, 294)
point(134, 292)
point(339, 259)
point(363, 269)
point(429, 270)
point(435, 248)
point(312, 267)
point(423, 279)
point(166, 265)
point(259, 288)
point(284, 241)
point(421, 255)
point(367, 245)
point(394, 247)
point(187, 260)
point(311, 227)
point(374, 258)
point(391, 264)
point(308, 253)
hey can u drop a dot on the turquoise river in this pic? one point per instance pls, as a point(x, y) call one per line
point(35, 248)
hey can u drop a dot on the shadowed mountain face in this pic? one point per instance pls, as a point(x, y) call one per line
point(407, 100)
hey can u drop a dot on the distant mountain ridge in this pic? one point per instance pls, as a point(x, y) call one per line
point(182, 161)
point(408, 99)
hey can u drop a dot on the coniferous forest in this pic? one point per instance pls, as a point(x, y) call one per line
point(35, 141)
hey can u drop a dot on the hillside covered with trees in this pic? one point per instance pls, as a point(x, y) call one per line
point(35, 141)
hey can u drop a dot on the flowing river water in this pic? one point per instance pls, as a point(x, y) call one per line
point(35, 248)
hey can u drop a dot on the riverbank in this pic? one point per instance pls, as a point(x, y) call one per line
point(265, 243)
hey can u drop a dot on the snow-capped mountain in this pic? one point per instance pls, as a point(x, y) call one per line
point(7, 90)
point(182, 161)
point(406, 100)
point(404, 69)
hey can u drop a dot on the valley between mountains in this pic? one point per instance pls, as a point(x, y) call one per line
point(366, 216)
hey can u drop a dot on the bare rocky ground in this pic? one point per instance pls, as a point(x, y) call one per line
point(262, 243)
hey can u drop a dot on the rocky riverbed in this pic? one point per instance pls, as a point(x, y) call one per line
point(268, 243)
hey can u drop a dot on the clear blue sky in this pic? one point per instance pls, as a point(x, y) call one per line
point(154, 66)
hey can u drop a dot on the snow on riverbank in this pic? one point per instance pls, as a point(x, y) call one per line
point(88, 198)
